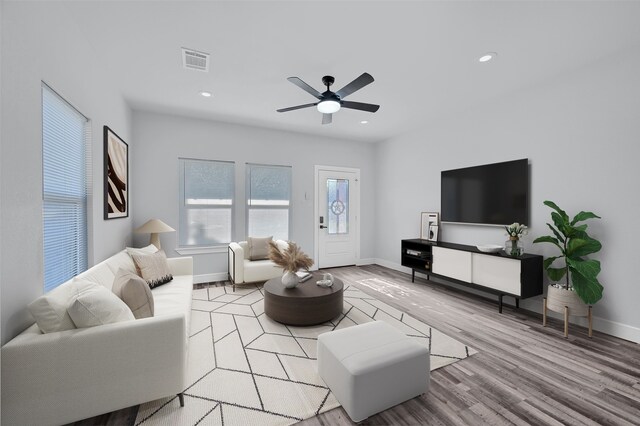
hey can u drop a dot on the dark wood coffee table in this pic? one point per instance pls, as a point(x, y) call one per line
point(306, 304)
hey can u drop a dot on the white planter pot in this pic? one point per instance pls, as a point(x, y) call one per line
point(558, 298)
point(289, 280)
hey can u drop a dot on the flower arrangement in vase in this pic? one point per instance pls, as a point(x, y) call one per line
point(291, 261)
point(513, 246)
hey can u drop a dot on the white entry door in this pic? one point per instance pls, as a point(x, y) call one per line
point(337, 216)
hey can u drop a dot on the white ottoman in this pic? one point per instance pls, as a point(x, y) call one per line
point(372, 367)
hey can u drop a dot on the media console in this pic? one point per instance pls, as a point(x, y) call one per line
point(497, 273)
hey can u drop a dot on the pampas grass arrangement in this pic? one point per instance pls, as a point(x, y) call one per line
point(292, 259)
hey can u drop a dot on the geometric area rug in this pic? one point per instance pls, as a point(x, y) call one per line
point(246, 369)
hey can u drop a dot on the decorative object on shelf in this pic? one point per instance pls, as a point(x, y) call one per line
point(154, 227)
point(291, 261)
point(490, 248)
point(116, 176)
point(429, 226)
point(513, 246)
point(581, 288)
point(326, 281)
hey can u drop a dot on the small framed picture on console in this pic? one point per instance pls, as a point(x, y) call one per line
point(429, 226)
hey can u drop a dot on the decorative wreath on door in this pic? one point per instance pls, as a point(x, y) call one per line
point(337, 207)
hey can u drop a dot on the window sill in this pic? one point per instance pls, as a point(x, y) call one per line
point(201, 250)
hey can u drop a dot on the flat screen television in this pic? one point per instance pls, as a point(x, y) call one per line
point(492, 194)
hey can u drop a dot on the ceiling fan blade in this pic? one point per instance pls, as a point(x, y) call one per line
point(356, 84)
point(361, 106)
point(296, 107)
point(304, 86)
point(327, 118)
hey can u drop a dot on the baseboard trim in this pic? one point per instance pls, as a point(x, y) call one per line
point(603, 325)
point(208, 278)
point(362, 262)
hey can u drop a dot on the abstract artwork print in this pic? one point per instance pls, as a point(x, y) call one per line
point(116, 176)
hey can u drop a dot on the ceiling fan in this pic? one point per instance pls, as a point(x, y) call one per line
point(330, 102)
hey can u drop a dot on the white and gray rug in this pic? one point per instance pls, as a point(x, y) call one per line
point(246, 369)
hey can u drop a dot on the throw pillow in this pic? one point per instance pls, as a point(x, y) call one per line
point(135, 292)
point(259, 248)
point(98, 306)
point(142, 250)
point(153, 268)
point(50, 310)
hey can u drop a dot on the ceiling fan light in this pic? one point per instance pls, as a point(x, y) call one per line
point(328, 107)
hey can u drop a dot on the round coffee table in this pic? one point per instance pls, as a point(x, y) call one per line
point(306, 304)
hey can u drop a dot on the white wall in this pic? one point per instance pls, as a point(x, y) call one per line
point(161, 139)
point(581, 133)
point(40, 43)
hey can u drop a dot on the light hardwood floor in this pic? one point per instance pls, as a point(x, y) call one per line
point(523, 374)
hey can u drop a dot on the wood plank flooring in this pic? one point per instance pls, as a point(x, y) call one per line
point(524, 374)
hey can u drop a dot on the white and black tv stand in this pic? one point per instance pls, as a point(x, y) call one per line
point(497, 273)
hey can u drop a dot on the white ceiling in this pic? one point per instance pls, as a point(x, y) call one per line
point(422, 54)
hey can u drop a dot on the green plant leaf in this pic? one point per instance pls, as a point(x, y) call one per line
point(589, 246)
point(548, 239)
point(589, 269)
point(561, 224)
point(549, 260)
point(558, 209)
point(584, 216)
point(589, 290)
point(580, 228)
point(556, 274)
point(556, 232)
point(575, 244)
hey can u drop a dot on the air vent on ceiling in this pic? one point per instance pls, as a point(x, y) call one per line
point(194, 60)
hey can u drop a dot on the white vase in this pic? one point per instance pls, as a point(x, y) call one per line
point(289, 279)
point(558, 298)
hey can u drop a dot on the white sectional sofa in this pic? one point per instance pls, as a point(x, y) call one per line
point(61, 377)
point(243, 270)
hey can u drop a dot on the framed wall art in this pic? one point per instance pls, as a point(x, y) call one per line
point(429, 226)
point(116, 176)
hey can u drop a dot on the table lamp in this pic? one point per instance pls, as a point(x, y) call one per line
point(154, 227)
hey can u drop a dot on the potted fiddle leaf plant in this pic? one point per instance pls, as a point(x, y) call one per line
point(575, 275)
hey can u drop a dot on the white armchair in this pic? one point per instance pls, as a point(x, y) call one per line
point(243, 270)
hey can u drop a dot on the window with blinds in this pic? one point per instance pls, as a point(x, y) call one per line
point(268, 201)
point(65, 181)
point(207, 191)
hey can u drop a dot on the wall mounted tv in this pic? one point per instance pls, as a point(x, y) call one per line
point(493, 194)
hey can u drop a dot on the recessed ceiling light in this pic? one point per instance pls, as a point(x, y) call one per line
point(364, 122)
point(488, 56)
point(205, 94)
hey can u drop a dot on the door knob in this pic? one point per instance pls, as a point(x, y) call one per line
point(322, 226)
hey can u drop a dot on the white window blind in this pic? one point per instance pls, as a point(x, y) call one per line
point(207, 190)
point(268, 201)
point(65, 181)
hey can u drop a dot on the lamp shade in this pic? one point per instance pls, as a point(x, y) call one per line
point(153, 226)
point(328, 107)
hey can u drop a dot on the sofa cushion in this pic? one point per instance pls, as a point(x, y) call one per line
point(98, 306)
point(153, 268)
point(142, 250)
point(259, 248)
point(99, 274)
point(50, 310)
point(260, 270)
point(121, 260)
point(135, 292)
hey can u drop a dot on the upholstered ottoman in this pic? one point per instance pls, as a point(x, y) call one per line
point(372, 367)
